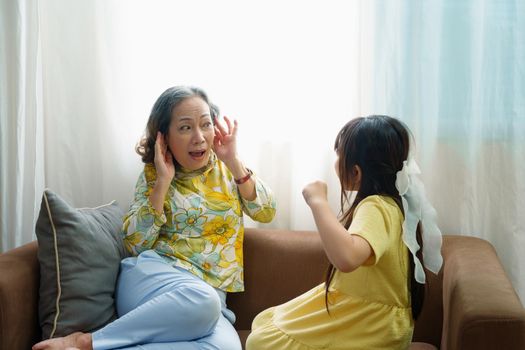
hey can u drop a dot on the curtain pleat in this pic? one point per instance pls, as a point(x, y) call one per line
point(78, 80)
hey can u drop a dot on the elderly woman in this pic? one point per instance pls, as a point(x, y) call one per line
point(185, 231)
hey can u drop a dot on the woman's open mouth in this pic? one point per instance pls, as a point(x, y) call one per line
point(198, 154)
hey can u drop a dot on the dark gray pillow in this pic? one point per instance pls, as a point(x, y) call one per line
point(79, 251)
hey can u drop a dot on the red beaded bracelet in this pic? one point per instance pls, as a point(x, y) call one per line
point(244, 179)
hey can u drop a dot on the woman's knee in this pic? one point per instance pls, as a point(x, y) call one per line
point(224, 337)
point(200, 306)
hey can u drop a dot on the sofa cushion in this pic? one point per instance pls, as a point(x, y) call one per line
point(79, 251)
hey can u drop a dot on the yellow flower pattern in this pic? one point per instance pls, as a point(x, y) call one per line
point(201, 228)
point(219, 231)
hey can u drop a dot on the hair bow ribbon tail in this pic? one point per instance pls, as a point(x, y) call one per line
point(418, 209)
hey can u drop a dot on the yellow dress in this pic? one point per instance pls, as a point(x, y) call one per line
point(369, 307)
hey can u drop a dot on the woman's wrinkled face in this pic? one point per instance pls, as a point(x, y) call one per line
point(191, 133)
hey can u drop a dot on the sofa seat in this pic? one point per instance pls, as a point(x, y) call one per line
point(470, 305)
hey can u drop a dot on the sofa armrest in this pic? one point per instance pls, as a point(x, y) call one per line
point(278, 266)
point(19, 285)
point(481, 309)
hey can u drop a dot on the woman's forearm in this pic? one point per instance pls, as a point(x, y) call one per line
point(158, 195)
point(247, 188)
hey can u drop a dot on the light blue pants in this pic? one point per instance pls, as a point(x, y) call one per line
point(162, 307)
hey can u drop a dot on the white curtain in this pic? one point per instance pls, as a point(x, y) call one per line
point(21, 128)
point(455, 72)
point(292, 73)
point(289, 76)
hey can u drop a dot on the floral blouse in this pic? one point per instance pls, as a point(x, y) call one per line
point(201, 228)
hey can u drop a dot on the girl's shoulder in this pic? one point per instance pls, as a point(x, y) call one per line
point(385, 204)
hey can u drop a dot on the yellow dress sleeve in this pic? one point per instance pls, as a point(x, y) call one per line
point(370, 222)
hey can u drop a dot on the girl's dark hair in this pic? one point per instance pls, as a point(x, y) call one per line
point(378, 145)
point(160, 117)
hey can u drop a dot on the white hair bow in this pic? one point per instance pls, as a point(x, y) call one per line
point(418, 208)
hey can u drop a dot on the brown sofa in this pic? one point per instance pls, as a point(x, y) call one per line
point(470, 304)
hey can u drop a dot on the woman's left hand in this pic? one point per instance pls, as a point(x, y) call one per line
point(225, 141)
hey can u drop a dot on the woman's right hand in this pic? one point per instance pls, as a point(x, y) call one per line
point(163, 160)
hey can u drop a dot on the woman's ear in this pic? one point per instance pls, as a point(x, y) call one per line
point(166, 137)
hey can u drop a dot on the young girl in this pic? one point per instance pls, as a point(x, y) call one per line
point(373, 290)
point(185, 232)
